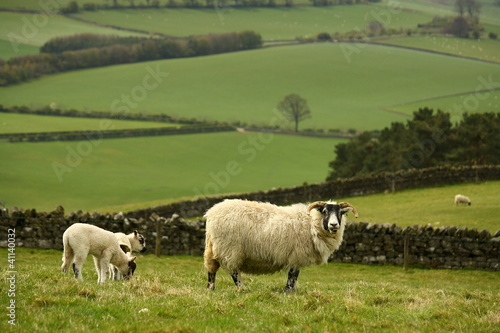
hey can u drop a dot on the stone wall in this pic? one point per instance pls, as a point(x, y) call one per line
point(364, 243)
point(341, 188)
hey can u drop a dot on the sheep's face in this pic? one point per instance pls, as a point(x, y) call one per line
point(332, 214)
point(141, 240)
point(131, 266)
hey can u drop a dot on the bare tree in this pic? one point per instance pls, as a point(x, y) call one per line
point(294, 108)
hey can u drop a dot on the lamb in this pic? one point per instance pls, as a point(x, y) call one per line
point(462, 199)
point(128, 243)
point(81, 239)
point(262, 238)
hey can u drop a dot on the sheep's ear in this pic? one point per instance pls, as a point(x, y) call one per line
point(317, 204)
point(125, 248)
point(131, 259)
point(136, 233)
point(348, 207)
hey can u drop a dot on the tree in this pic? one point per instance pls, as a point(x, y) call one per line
point(295, 109)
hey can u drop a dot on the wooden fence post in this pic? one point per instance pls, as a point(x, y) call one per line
point(406, 253)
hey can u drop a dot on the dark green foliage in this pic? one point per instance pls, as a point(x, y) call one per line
point(428, 140)
point(87, 51)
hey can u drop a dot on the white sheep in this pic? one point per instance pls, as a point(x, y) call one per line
point(128, 243)
point(262, 238)
point(462, 199)
point(81, 239)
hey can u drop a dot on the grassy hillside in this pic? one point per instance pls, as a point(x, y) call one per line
point(168, 294)
point(342, 91)
point(23, 123)
point(434, 206)
point(35, 30)
point(271, 23)
point(126, 171)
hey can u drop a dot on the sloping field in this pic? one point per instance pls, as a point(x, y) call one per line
point(98, 173)
point(271, 23)
point(346, 85)
point(35, 29)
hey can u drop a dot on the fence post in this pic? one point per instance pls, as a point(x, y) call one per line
point(158, 234)
point(406, 253)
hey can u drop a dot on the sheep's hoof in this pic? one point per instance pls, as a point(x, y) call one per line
point(288, 290)
point(211, 286)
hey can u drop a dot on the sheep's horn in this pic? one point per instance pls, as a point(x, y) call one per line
point(346, 204)
point(315, 205)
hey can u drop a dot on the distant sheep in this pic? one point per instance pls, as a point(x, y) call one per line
point(462, 199)
point(81, 239)
point(262, 238)
point(128, 243)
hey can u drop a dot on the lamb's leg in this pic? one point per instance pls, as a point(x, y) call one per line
point(97, 265)
point(77, 266)
point(67, 259)
point(236, 279)
point(104, 263)
point(293, 275)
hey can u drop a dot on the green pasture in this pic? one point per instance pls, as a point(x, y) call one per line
point(168, 294)
point(346, 85)
point(25, 123)
point(271, 23)
point(434, 206)
point(482, 49)
point(8, 51)
point(36, 29)
point(87, 175)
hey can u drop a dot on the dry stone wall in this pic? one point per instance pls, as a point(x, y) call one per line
point(364, 243)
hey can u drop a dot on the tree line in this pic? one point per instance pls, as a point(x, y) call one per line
point(73, 6)
point(428, 140)
point(77, 52)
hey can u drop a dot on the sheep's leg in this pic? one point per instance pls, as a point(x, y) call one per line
point(77, 267)
point(67, 259)
point(97, 265)
point(293, 275)
point(236, 279)
point(211, 265)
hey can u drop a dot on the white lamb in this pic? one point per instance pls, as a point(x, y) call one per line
point(462, 199)
point(261, 238)
point(81, 239)
point(128, 243)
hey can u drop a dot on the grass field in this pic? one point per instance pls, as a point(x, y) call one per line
point(36, 29)
point(271, 23)
point(483, 49)
point(343, 92)
point(168, 294)
point(125, 171)
point(24, 123)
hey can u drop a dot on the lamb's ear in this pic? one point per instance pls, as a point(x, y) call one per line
point(348, 207)
point(317, 204)
point(136, 233)
point(131, 259)
point(125, 248)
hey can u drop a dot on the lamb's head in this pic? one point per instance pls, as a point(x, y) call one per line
point(331, 213)
point(138, 242)
point(128, 268)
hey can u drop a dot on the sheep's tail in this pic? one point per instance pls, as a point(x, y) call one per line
point(68, 255)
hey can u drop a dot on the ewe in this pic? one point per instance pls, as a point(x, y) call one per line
point(262, 238)
point(462, 199)
point(81, 239)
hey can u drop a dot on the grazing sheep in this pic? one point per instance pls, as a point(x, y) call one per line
point(81, 239)
point(462, 199)
point(128, 243)
point(262, 238)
